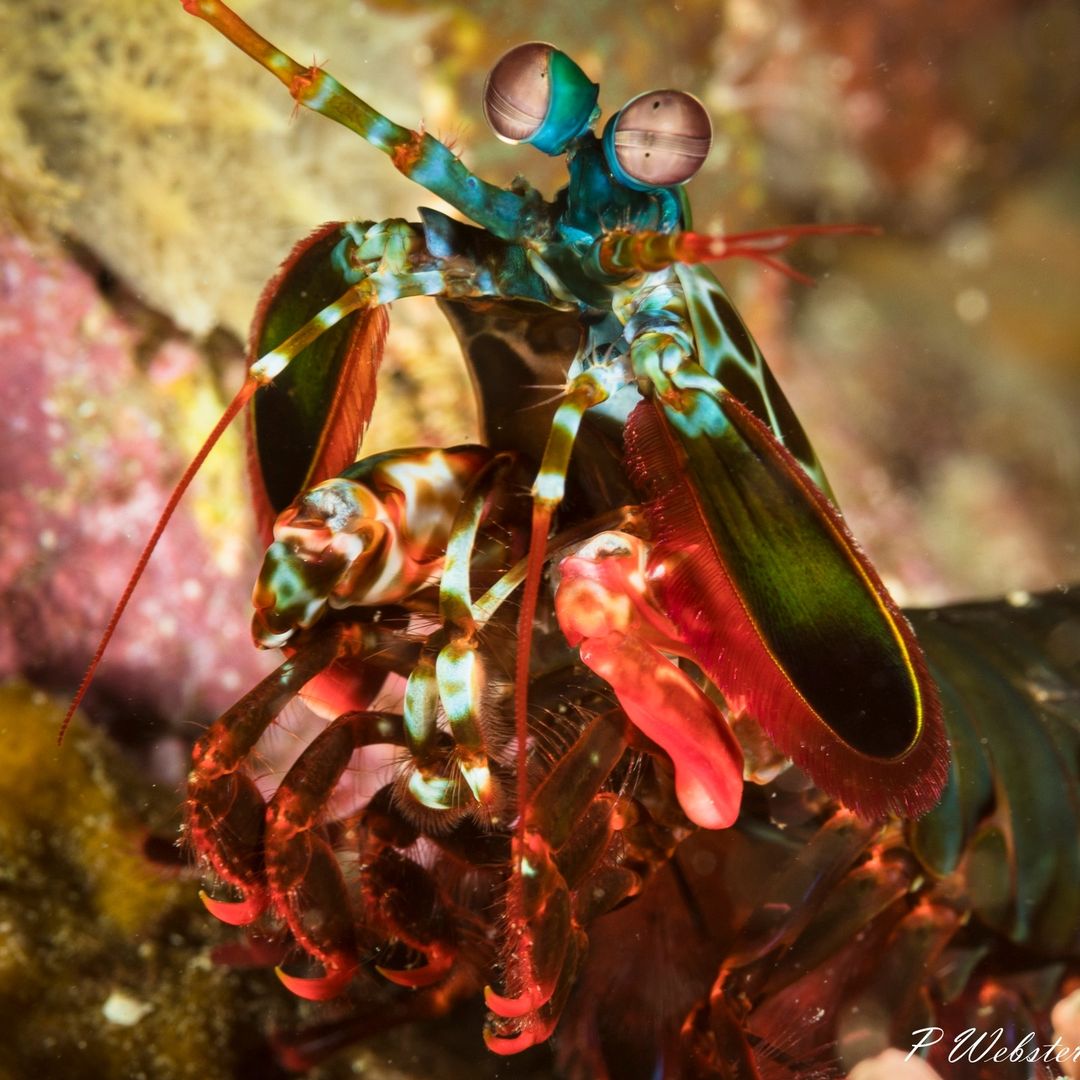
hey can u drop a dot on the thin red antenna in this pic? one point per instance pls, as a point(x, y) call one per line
point(242, 397)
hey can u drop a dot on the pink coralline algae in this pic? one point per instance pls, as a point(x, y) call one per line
point(91, 447)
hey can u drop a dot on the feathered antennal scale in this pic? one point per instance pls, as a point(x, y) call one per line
point(295, 439)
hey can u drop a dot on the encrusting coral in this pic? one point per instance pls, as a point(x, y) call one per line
point(105, 965)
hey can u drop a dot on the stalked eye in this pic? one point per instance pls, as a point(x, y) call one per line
point(538, 95)
point(658, 139)
point(518, 92)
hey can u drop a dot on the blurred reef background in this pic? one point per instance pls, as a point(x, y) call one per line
point(151, 180)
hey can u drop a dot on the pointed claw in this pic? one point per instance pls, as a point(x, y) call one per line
point(534, 1031)
point(437, 968)
point(510, 1008)
point(236, 912)
point(321, 988)
point(507, 1046)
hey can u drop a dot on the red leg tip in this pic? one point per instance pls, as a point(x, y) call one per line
point(236, 913)
point(506, 1047)
point(435, 970)
point(323, 988)
point(510, 1008)
point(533, 1032)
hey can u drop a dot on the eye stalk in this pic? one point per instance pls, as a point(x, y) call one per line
point(658, 139)
point(536, 94)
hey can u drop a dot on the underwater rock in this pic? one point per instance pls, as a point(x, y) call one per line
point(92, 443)
point(104, 957)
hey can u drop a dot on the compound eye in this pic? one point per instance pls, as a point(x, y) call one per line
point(518, 92)
point(658, 139)
point(536, 94)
